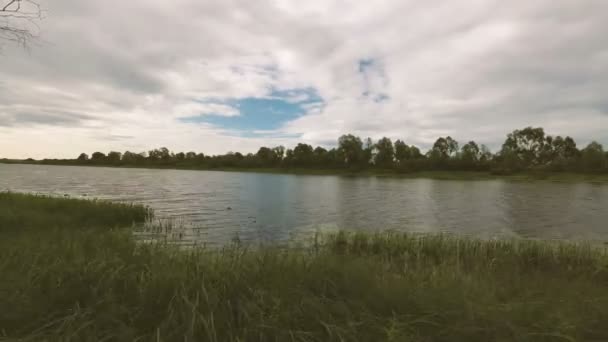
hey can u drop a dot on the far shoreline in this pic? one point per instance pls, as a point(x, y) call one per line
point(566, 177)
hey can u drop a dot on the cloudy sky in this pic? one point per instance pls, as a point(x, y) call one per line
point(232, 75)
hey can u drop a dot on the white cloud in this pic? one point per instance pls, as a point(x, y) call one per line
point(119, 77)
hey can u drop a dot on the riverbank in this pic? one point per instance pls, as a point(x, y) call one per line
point(71, 270)
point(438, 175)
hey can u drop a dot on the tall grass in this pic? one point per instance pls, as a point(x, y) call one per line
point(100, 285)
point(26, 211)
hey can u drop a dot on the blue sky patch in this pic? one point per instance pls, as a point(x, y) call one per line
point(259, 114)
point(381, 97)
point(365, 64)
point(373, 79)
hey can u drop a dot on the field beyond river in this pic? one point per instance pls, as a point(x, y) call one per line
point(73, 271)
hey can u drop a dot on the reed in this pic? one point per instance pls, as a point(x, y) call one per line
point(60, 282)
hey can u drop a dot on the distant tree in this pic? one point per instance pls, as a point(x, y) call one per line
point(473, 156)
point(509, 161)
point(444, 148)
point(333, 158)
point(239, 156)
point(279, 153)
point(565, 148)
point(320, 157)
point(350, 150)
point(114, 157)
point(303, 155)
point(128, 157)
point(402, 151)
point(231, 159)
point(485, 154)
point(547, 153)
point(415, 152)
point(525, 147)
point(154, 154)
point(368, 152)
point(452, 146)
point(558, 153)
point(266, 156)
point(98, 156)
point(288, 160)
point(131, 158)
point(162, 153)
point(385, 153)
point(593, 157)
point(470, 152)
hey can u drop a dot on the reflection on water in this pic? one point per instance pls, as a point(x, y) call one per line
point(269, 207)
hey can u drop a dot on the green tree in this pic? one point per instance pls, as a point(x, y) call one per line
point(98, 156)
point(485, 154)
point(368, 152)
point(470, 152)
point(320, 156)
point(279, 153)
point(162, 153)
point(303, 155)
point(288, 160)
point(402, 151)
point(83, 157)
point(565, 148)
point(415, 152)
point(593, 157)
point(350, 150)
point(132, 158)
point(114, 157)
point(473, 156)
point(525, 146)
point(266, 156)
point(444, 148)
point(333, 158)
point(385, 153)
point(559, 153)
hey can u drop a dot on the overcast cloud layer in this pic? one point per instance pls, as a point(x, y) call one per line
point(186, 74)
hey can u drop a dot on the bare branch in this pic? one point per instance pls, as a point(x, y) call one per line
point(19, 20)
point(5, 8)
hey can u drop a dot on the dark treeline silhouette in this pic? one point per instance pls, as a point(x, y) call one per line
point(528, 149)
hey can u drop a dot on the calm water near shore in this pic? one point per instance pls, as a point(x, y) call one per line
point(273, 207)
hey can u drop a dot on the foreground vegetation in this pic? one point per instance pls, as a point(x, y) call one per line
point(76, 274)
point(528, 151)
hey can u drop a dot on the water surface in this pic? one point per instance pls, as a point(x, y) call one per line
point(271, 207)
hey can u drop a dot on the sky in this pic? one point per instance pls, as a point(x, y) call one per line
point(234, 75)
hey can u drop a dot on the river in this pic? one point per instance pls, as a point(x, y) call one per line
point(272, 207)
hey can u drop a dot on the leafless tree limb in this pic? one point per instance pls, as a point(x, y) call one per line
point(8, 5)
point(19, 20)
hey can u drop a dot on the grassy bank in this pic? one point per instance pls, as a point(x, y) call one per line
point(68, 278)
point(440, 175)
point(39, 213)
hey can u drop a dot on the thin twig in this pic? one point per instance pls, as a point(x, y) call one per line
point(5, 8)
point(20, 22)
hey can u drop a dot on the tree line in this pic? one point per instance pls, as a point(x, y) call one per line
point(523, 150)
